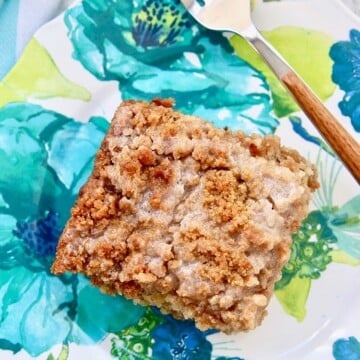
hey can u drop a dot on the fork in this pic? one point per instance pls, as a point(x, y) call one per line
point(235, 16)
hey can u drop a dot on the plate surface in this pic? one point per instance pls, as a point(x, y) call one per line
point(55, 107)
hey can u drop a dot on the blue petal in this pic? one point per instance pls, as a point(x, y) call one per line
point(346, 73)
point(347, 349)
point(175, 339)
point(23, 157)
point(71, 151)
point(33, 320)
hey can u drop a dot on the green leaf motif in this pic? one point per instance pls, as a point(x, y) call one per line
point(328, 235)
point(135, 342)
point(306, 50)
point(8, 95)
point(341, 257)
point(64, 354)
point(293, 297)
point(310, 249)
point(36, 75)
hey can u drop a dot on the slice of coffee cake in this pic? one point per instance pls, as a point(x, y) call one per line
point(190, 218)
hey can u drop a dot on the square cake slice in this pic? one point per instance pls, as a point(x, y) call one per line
point(187, 217)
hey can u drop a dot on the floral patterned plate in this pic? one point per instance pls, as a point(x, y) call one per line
point(55, 106)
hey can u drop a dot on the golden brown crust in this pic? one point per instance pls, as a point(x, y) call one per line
point(193, 219)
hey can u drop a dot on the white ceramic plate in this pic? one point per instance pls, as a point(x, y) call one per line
point(55, 107)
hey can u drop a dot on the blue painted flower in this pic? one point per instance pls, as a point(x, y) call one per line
point(158, 336)
point(347, 349)
point(346, 73)
point(181, 340)
point(175, 340)
point(154, 49)
point(45, 157)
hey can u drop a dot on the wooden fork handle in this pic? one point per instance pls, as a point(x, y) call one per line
point(345, 146)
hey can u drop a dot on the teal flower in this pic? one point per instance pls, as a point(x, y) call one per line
point(346, 73)
point(45, 157)
point(154, 49)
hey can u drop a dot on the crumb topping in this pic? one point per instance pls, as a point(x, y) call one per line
point(187, 217)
